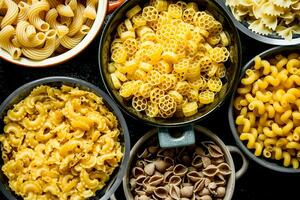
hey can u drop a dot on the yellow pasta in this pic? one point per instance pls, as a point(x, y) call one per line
point(65, 147)
point(5, 34)
point(176, 52)
point(267, 102)
point(268, 17)
point(32, 20)
point(11, 14)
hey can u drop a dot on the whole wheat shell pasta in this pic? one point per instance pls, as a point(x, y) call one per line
point(22, 37)
point(77, 21)
point(71, 42)
point(90, 10)
point(34, 15)
point(5, 34)
point(11, 14)
point(51, 18)
point(23, 11)
point(46, 51)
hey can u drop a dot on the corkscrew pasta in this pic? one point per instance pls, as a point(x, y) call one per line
point(267, 106)
point(25, 26)
point(59, 144)
point(168, 59)
point(268, 16)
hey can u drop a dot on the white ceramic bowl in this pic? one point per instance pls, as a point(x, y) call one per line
point(103, 7)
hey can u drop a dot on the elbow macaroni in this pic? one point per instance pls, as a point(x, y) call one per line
point(31, 20)
point(267, 101)
point(178, 51)
point(60, 144)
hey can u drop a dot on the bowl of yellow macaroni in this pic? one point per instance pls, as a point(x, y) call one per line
point(42, 33)
point(169, 63)
point(61, 138)
point(264, 111)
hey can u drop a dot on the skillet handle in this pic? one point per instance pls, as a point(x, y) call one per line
point(245, 164)
point(166, 140)
point(113, 5)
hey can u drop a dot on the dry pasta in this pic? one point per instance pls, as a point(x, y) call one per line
point(268, 16)
point(60, 144)
point(267, 108)
point(176, 52)
point(31, 20)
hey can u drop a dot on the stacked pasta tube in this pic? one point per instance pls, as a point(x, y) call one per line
point(37, 29)
point(267, 106)
point(168, 58)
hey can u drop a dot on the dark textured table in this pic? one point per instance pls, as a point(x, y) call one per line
point(257, 184)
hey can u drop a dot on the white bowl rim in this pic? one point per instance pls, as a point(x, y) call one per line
point(55, 60)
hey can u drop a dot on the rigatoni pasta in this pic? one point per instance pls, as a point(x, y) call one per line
point(60, 144)
point(267, 108)
point(169, 56)
point(31, 20)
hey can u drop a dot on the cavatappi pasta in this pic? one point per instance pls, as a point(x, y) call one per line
point(267, 106)
point(268, 16)
point(37, 29)
point(59, 144)
point(168, 58)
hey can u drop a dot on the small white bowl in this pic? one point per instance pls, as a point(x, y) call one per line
point(55, 60)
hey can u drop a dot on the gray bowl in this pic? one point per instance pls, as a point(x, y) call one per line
point(201, 133)
point(57, 81)
point(231, 116)
point(272, 39)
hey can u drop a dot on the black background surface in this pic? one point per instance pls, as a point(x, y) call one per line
point(257, 184)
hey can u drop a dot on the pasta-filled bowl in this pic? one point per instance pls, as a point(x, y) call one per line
point(263, 114)
point(266, 21)
point(169, 63)
point(46, 33)
point(61, 138)
point(201, 171)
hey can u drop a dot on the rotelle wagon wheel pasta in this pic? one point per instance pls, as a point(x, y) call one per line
point(168, 58)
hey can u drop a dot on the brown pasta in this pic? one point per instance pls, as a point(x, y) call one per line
point(196, 172)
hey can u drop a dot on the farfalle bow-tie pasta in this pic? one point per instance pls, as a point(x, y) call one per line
point(268, 16)
point(37, 29)
point(168, 58)
point(59, 144)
